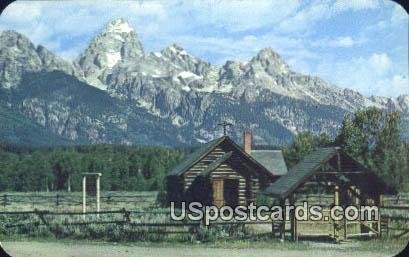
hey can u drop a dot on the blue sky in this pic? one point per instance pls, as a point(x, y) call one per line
point(358, 44)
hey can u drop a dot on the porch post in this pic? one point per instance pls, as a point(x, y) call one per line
point(84, 194)
point(293, 221)
point(98, 194)
point(380, 201)
point(282, 225)
point(336, 223)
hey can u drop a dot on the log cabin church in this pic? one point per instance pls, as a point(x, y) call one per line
point(222, 173)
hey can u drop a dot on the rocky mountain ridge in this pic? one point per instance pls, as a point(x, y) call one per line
point(171, 91)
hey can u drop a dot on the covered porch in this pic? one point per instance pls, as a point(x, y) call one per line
point(334, 179)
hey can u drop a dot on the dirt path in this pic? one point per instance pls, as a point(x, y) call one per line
point(53, 249)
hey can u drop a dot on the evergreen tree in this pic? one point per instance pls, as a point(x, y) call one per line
point(122, 167)
point(303, 144)
point(373, 137)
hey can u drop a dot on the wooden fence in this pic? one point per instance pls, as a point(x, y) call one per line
point(89, 218)
point(65, 199)
point(394, 213)
point(58, 199)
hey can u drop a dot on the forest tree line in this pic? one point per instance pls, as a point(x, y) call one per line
point(371, 136)
point(122, 167)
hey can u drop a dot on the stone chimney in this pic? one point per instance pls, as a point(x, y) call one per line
point(247, 141)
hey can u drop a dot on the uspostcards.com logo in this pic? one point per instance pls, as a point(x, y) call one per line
point(196, 211)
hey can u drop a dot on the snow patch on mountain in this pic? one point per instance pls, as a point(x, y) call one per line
point(189, 75)
point(157, 54)
point(172, 90)
point(119, 26)
point(186, 88)
point(113, 58)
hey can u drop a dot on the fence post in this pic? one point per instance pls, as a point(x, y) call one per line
point(40, 215)
point(127, 215)
point(345, 229)
point(379, 201)
point(98, 194)
point(272, 228)
point(5, 200)
point(203, 222)
point(57, 201)
point(84, 195)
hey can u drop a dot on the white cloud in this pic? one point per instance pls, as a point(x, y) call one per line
point(397, 18)
point(392, 86)
point(343, 42)
point(399, 15)
point(17, 12)
point(71, 53)
point(305, 17)
point(317, 11)
point(370, 75)
point(236, 15)
point(344, 5)
point(380, 62)
point(243, 49)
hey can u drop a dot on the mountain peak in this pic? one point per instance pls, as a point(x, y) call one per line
point(116, 44)
point(173, 92)
point(52, 62)
point(174, 48)
point(271, 61)
point(176, 51)
point(9, 38)
point(118, 26)
point(10, 33)
point(268, 51)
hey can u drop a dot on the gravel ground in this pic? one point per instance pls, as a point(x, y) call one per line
point(64, 249)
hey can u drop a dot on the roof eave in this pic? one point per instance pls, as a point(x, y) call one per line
point(181, 172)
point(273, 194)
point(253, 159)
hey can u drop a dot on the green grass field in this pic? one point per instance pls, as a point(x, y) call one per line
point(115, 227)
point(64, 201)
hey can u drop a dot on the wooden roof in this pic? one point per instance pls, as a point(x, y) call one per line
point(216, 163)
point(311, 164)
point(273, 160)
point(196, 156)
point(205, 149)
